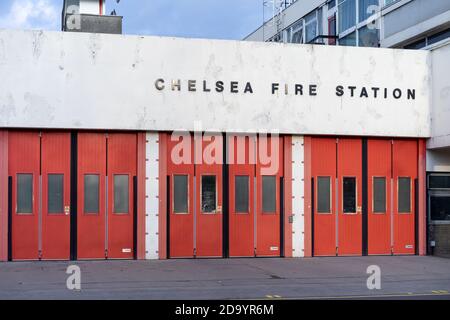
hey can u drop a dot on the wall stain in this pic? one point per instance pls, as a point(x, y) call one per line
point(37, 44)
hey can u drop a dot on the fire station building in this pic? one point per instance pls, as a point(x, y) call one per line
point(132, 147)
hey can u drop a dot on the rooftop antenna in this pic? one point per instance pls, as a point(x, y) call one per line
point(276, 7)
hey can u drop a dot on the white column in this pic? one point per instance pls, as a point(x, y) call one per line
point(298, 187)
point(151, 193)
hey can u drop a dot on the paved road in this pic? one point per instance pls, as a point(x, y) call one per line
point(332, 278)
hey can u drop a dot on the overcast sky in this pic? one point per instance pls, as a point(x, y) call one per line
point(217, 19)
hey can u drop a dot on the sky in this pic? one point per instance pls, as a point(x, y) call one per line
point(214, 19)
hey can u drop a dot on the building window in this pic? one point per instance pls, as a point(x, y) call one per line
point(368, 37)
point(296, 33)
point(430, 40)
point(349, 40)
point(389, 2)
point(324, 194)
point(310, 26)
point(332, 29)
point(439, 181)
point(417, 45)
point(347, 14)
point(438, 37)
point(349, 195)
point(331, 4)
point(367, 8)
point(440, 207)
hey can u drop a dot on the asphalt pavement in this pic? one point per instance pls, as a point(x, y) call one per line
point(401, 277)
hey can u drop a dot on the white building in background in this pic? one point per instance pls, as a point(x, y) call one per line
point(410, 24)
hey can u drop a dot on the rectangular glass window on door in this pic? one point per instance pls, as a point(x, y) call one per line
point(404, 195)
point(209, 194)
point(121, 194)
point(241, 194)
point(55, 193)
point(24, 194)
point(323, 194)
point(180, 194)
point(91, 193)
point(269, 195)
point(349, 195)
point(379, 194)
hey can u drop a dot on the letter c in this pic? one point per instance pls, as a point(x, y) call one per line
point(159, 84)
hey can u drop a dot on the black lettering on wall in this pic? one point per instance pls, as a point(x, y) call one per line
point(411, 94)
point(219, 86)
point(275, 87)
point(234, 87)
point(248, 88)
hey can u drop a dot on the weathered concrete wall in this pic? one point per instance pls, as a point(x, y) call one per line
point(440, 111)
point(438, 160)
point(93, 81)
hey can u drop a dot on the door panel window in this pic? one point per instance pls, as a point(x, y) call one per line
point(241, 193)
point(121, 194)
point(269, 194)
point(180, 191)
point(323, 194)
point(404, 195)
point(55, 193)
point(379, 195)
point(24, 194)
point(209, 196)
point(349, 195)
point(91, 194)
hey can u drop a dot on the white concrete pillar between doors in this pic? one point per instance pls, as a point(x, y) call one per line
point(151, 195)
point(298, 188)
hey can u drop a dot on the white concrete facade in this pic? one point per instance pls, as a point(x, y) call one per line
point(440, 111)
point(124, 69)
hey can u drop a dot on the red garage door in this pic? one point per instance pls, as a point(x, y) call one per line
point(349, 171)
point(323, 171)
point(106, 171)
point(269, 171)
point(195, 196)
point(379, 195)
point(39, 164)
point(255, 172)
point(208, 198)
point(337, 173)
point(242, 158)
point(55, 166)
point(404, 162)
point(391, 179)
